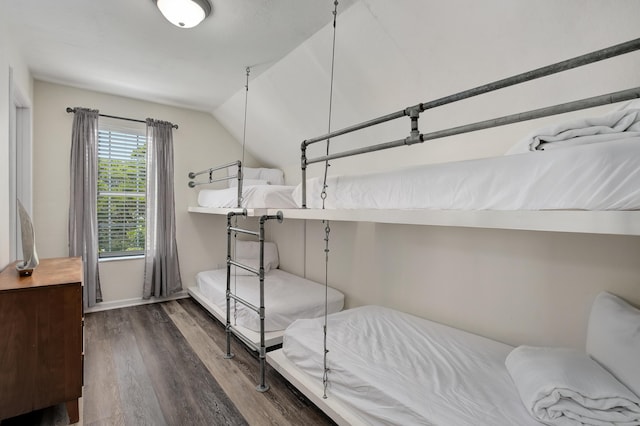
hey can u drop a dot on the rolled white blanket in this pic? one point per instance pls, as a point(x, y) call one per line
point(560, 386)
point(614, 126)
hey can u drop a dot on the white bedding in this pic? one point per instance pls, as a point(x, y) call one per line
point(616, 125)
point(287, 297)
point(394, 368)
point(600, 176)
point(566, 387)
point(253, 196)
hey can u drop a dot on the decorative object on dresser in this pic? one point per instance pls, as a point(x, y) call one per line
point(41, 320)
point(29, 255)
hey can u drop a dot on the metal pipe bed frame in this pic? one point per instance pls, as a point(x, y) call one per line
point(260, 310)
point(413, 112)
point(312, 389)
point(210, 171)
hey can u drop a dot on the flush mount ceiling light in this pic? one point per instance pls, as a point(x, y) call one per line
point(184, 13)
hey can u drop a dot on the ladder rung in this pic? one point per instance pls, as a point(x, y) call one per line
point(245, 267)
point(245, 303)
point(245, 231)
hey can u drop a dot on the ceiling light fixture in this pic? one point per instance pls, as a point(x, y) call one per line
point(184, 13)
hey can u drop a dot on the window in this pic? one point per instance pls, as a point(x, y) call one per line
point(121, 191)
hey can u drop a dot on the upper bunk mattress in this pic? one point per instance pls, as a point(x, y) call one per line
point(599, 176)
point(393, 368)
point(253, 196)
point(287, 297)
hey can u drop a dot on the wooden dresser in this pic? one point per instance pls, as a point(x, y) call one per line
point(41, 337)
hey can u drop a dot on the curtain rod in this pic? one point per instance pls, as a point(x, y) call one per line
point(175, 126)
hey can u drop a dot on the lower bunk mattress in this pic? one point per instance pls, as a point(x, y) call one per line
point(287, 297)
point(388, 367)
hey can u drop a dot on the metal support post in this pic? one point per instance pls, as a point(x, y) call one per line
point(239, 175)
point(228, 355)
point(303, 164)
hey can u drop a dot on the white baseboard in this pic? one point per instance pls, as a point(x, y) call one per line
point(116, 304)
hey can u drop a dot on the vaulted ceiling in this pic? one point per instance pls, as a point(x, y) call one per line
point(126, 47)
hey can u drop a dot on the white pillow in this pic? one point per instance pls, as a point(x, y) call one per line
point(250, 182)
point(613, 338)
point(247, 174)
point(273, 176)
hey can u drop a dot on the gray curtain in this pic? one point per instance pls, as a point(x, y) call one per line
point(161, 269)
point(83, 218)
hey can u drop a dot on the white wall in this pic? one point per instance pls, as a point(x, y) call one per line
point(199, 143)
point(10, 61)
point(4, 142)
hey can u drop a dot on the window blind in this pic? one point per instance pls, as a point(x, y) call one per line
point(121, 192)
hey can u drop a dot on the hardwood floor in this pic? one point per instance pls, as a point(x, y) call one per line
point(163, 364)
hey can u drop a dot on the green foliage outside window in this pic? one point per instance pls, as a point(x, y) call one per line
point(121, 194)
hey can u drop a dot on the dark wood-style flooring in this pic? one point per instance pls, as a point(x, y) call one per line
point(163, 364)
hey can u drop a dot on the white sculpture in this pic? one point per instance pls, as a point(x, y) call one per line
point(30, 256)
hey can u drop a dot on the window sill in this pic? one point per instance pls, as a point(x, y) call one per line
point(119, 258)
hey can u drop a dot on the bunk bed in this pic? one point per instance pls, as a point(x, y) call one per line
point(372, 365)
point(589, 187)
point(525, 190)
point(254, 189)
point(249, 193)
point(287, 297)
point(622, 217)
point(388, 367)
point(519, 192)
point(594, 176)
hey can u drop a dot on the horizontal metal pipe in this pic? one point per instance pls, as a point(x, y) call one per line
point(245, 303)
point(595, 101)
point(357, 151)
point(245, 267)
point(213, 169)
point(193, 183)
point(610, 98)
point(244, 231)
point(568, 64)
point(355, 127)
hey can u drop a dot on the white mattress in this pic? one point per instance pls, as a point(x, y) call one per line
point(600, 176)
point(287, 297)
point(253, 196)
point(393, 368)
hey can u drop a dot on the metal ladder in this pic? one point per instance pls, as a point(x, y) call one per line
point(262, 386)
